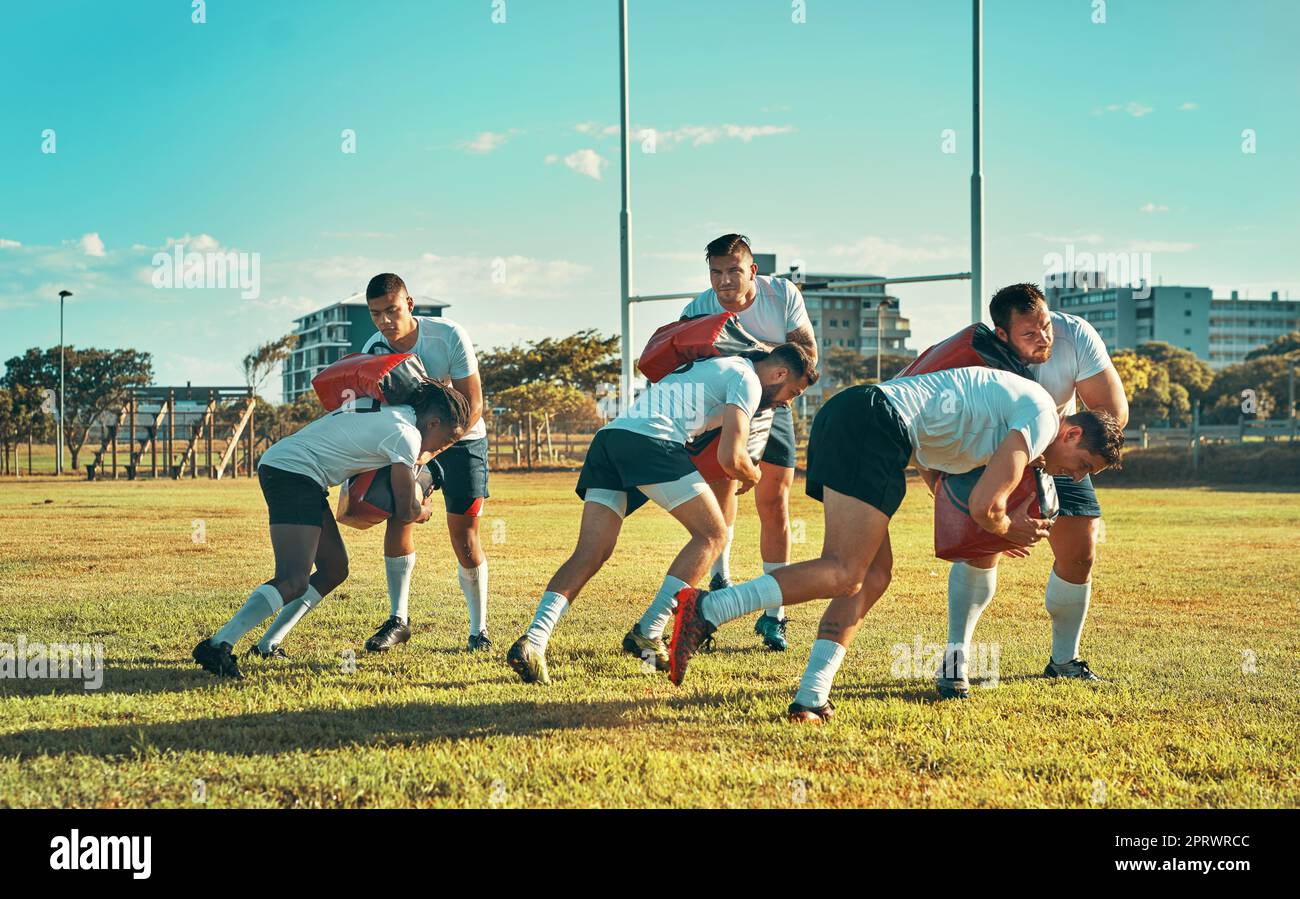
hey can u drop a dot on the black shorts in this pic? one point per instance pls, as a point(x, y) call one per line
point(780, 442)
point(859, 446)
point(465, 476)
point(293, 498)
point(620, 460)
point(1077, 500)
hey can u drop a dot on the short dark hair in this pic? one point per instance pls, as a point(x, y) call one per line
point(383, 285)
point(1102, 435)
point(728, 244)
point(793, 355)
point(442, 400)
point(1019, 298)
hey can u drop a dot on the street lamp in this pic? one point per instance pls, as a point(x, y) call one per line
point(880, 327)
point(58, 468)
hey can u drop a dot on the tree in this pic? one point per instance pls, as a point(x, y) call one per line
point(1154, 399)
point(1182, 366)
point(1286, 345)
point(584, 360)
point(259, 364)
point(1255, 389)
point(97, 381)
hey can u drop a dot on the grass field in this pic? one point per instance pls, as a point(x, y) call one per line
point(1195, 618)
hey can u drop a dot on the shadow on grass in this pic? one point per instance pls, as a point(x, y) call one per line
point(274, 733)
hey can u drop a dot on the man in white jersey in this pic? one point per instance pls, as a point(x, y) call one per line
point(641, 455)
point(296, 474)
point(1067, 357)
point(448, 355)
point(772, 310)
point(861, 443)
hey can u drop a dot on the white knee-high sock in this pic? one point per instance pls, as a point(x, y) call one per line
point(549, 611)
point(262, 603)
point(722, 564)
point(289, 616)
point(779, 612)
point(970, 590)
point(1067, 603)
point(398, 571)
point(474, 584)
point(823, 664)
point(656, 617)
point(722, 606)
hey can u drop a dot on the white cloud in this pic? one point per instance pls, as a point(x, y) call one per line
point(1161, 246)
point(882, 255)
point(1189, 105)
point(1078, 238)
point(487, 141)
point(694, 135)
point(584, 162)
point(6, 244)
point(195, 244)
point(91, 244)
point(1152, 207)
point(1132, 107)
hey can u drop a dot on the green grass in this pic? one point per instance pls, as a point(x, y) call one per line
point(1187, 581)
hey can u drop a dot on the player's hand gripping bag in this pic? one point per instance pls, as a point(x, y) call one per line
point(702, 337)
point(388, 378)
point(367, 499)
point(956, 535)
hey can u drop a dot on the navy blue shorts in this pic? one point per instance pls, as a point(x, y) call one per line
point(780, 442)
point(859, 446)
point(1077, 500)
point(293, 498)
point(465, 476)
point(619, 459)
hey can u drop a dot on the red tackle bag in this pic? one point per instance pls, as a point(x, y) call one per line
point(389, 378)
point(367, 499)
point(704, 448)
point(956, 535)
point(974, 345)
point(703, 337)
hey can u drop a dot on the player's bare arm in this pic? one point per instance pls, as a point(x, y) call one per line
point(733, 454)
point(1104, 391)
point(988, 500)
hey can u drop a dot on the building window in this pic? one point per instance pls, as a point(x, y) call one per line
point(1187, 313)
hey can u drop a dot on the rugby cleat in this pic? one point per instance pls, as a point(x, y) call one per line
point(275, 652)
point(802, 714)
point(690, 630)
point(952, 687)
point(1075, 668)
point(646, 648)
point(772, 631)
point(218, 660)
point(479, 642)
point(720, 582)
point(392, 632)
point(528, 662)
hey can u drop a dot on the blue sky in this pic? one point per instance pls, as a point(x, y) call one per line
point(484, 174)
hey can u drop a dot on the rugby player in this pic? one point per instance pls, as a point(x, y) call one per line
point(448, 355)
point(772, 310)
point(641, 455)
point(861, 443)
point(1067, 357)
point(296, 474)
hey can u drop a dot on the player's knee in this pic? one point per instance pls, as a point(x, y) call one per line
point(772, 505)
point(292, 587)
point(877, 580)
point(1076, 568)
point(848, 582)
